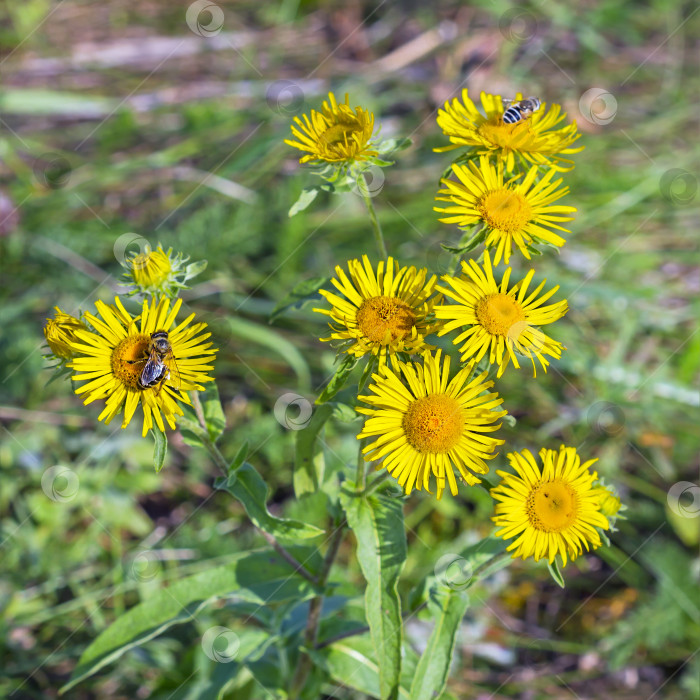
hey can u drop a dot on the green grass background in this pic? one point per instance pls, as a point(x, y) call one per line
point(111, 114)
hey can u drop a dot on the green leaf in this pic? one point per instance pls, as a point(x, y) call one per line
point(370, 367)
point(308, 194)
point(260, 577)
point(194, 269)
point(338, 379)
point(447, 606)
point(555, 573)
point(239, 458)
point(343, 412)
point(307, 478)
point(213, 412)
point(246, 485)
point(393, 145)
point(301, 294)
point(465, 246)
point(377, 522)
point(160, 447)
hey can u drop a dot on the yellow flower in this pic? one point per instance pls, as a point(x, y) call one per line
point(60, 331)
point(337, 134)
point(150, 269)
point(432, 425)
point(511, 212)
point(157, 272)
point(532, 139)
point(112, 360)
point(550, 510)
point(608, 500)
point(383, 312)
point(494, 318)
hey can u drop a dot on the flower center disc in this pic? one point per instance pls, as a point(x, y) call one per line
point(552, 506)
point(124, 359)
point(433, 423)
point(498, 313)
point(337, 134)
point(379, 315)
point(505, 210)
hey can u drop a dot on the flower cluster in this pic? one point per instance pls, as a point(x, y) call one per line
point(429, 429)
point(147, 359)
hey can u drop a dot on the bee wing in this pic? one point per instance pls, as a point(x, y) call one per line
point(506, 102)
point(174, 379)
point(151, 371)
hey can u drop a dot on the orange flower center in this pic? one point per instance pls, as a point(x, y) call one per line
point(128, 359)
point(552, 506)
point(498, 313)
point(434, 423)
point(385, 319)
point(504, 210)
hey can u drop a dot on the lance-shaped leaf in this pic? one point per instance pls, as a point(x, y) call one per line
point(302, 293)
point(260, 577)
point(377, 522)
point(246, 485)
point(338, 379)
point(160, 447)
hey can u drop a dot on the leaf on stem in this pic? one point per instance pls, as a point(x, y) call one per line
point(301, 294)
point(308, 467)
point(160, 447)
point(338, 380)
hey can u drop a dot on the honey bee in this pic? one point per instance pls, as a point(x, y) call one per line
point(159, 364)
point(520, 110)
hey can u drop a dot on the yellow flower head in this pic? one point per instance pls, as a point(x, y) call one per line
point(608, 500)
point(60, 331)
point(532, 139)
point(549, 510)
point(429, 425)
point(117, 362)
point(512, 212)
point(150, 269)
point(494, 318)
point(337, 134)
point(157, 272)
point(383, 312)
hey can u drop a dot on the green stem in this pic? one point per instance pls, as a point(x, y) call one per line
point(376, 226)
point(360, 474)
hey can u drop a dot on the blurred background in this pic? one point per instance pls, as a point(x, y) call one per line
point(129, 122)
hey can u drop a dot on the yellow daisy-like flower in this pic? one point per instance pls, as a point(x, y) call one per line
point(60, 332)
point(499, 319)
point(337, 134)
point(533, 139)
point(552, 510)
point(150, 269)
point(511, 212)
point(383, 312)
point(432, 425)
point(112, 361)
point(608, 500)
point(157, 272)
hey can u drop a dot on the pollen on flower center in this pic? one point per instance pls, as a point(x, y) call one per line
point(505, 210)
point(379, 315)
point(552, 506)
point(124, 356)
point(498, 313)
point(433, 423)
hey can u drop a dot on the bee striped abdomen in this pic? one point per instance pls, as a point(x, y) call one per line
point(512, 115)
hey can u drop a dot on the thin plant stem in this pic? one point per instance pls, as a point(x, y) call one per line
point(376, 226)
